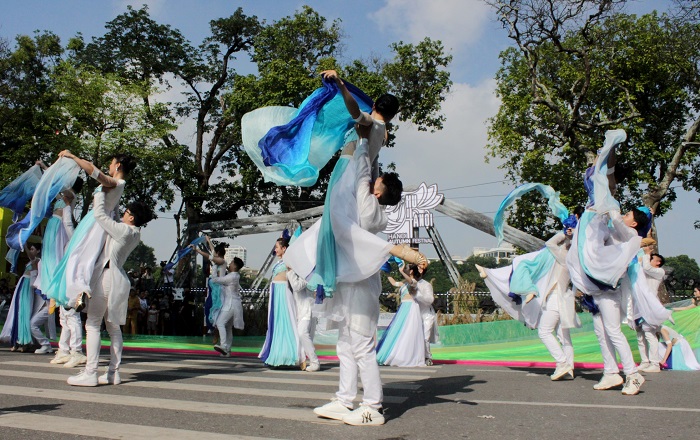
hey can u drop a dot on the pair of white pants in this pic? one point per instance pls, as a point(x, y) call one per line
point(40, 318)
point(606, 325)
point(563, 350)
point(224, 323)
point(306, 328)
point(71, 331)
point(357, 353)
point(648, 345)
point(98, 309)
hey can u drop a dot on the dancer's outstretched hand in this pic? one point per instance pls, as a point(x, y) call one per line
point(331, 74)
point(66, 153)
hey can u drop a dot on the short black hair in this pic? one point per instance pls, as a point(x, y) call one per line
point(641, 219)
point(578, 211)
point(78, 185)
point(142, 213)
point(393, 189)
point(387, 105)
point(36, 246)
point(126, 161)
point(220, 249)
point(238, 263)
point(284, 242)
point(663, 260)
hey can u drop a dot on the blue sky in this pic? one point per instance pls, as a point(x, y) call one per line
point(469, 31)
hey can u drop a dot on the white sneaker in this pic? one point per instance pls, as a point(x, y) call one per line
point(313, 366)
point(75, 360)
point(333, 410)
point(561, 371)
point(571, 374)
point(609, 381)
point(61, 357)
point(364, 416)
point(110, 377)
point(643, 365)
point(45, 349)
point(633, 384)
point(651, 368)
point(83, 379)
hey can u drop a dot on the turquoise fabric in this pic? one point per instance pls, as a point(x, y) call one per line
point(391, 335)
point(56, 288)
point(557, 208)
point(528, 273)
point(283, 343)
point(50, 256)
point(26, 306)
point(215, 292)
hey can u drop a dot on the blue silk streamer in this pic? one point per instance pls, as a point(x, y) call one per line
point(58, 177)
point(604, 201)
point(16, 195)
point(528, 272)
point(290, 147)
point(182, 252)
point(557, 208)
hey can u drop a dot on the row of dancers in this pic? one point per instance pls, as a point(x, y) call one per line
point(81, 268)
point(607, 257)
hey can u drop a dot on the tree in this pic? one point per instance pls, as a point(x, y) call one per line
point(685, 274)
point(142, 256)
point(289, 54)
point(579, 68)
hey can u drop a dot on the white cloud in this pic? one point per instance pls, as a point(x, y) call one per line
point(455, 22)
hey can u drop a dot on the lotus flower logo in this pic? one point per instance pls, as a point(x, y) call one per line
point(413, 211)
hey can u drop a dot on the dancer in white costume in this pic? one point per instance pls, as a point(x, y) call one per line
point(306, 322)
point(70, 349)
point(73, 282)
point(17, 328)
point(424, 297)
point(40, 317)
point(357, 215)
point(552, 309)
point(647, 340)
point(110, 289)
point(230, 314)
point(212, 303)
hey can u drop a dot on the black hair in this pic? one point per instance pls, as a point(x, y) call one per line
point(393, 189)
point(387, 105)
point(413, 270)
point(127, 162)
point(238, 263)
point(663, 260)
point(142, 213)
point(578, 211)
point(284, 242)
point(641, 219)
point(220, 249)
point(36, 246)
point(78, 185)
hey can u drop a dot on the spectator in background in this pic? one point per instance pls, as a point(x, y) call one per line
point(132, 313)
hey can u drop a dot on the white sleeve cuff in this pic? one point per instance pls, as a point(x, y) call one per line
point(95, 173)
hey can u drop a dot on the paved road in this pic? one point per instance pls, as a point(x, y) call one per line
point(177, 397)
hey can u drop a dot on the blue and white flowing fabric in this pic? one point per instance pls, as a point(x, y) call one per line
point(603, 199)
point(183, 252)
point(290, 146)
point(53, 247)
point(557, 208)
point(17, 327)
point(281, 346)
point(403, 343)
point(16, 195)
point(212, 305)
point(645, 302)
point(58, 177)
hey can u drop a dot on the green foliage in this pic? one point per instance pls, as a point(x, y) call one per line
point(685, 275)
point(562, 92)
point(142, 256)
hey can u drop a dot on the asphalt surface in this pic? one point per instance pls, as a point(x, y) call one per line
point(179, 397)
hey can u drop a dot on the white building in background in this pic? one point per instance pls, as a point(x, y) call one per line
point(236, 251)
point(505, 253)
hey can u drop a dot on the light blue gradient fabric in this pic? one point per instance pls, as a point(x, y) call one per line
point(184, 251)
point(290, 146)
point(557, 208)
point(387, 343)
point(49, 252)
point(215, 294)
point(59, 176)
point(25, 308)
point(528, 272)
point(604, 200)
point(57, 286)
point(16, 195)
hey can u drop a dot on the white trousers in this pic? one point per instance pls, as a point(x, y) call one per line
point(97, 310)
point(71, 331)
point(357, 353)
point(224, 323)
point(40, 318)
point(606, 325)
point(563, 350)
point(648, 345)
point(306, 329)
